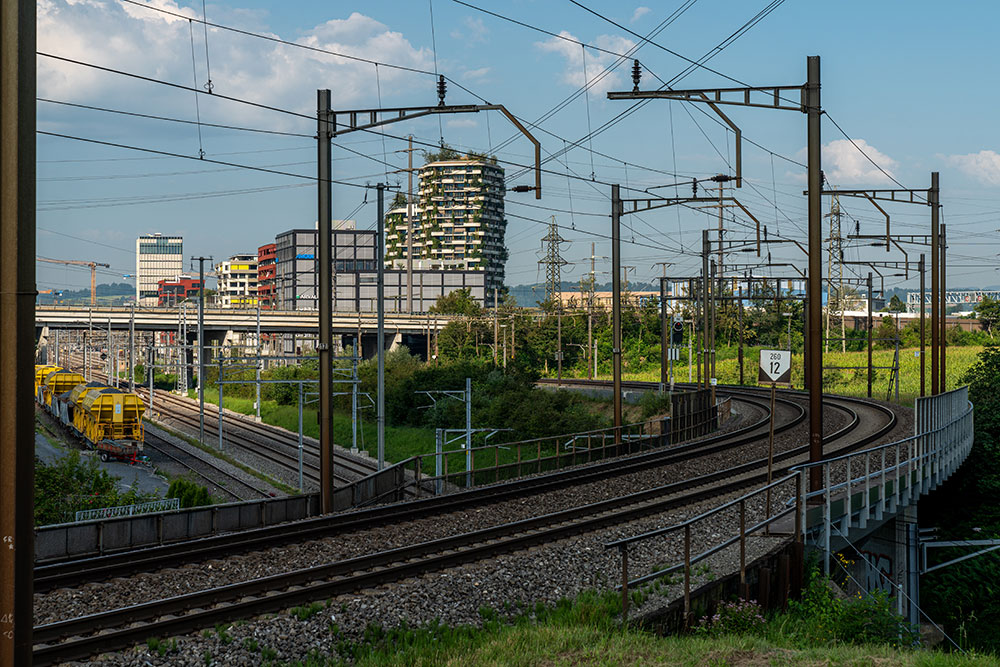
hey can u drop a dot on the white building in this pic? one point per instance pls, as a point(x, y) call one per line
point(237, 278)
point(157, 257)
point(458, 221)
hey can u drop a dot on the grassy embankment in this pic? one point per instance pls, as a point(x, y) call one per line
point(400, 442)
point(846, 382)
point(586, 631)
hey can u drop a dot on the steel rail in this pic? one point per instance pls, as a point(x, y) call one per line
point(196, 610)
point(88, 569)
point(158, 444)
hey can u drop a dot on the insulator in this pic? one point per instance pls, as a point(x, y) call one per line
point(694, 188)
point(442, 90)
point(636, 75)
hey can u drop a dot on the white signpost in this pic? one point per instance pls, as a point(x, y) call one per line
point(775, 368)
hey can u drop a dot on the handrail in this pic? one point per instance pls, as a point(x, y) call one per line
point(930, 455)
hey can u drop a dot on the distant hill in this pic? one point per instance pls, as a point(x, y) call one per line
point(107, 294)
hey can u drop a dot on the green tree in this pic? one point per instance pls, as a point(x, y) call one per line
point(988, 313)
point(966, 596)
point(896, 304)
point(885, 333)
point(458, 302)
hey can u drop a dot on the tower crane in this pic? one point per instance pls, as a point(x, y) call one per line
point(76, 262)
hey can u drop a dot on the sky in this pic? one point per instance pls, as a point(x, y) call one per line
point(902, 92)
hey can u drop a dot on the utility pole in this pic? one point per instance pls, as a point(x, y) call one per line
point(937, 299)
point(259, 360)
point(705, 280)
point(616, 310)
point(86, 344)
point(201, 348)
point(131, 348)
point(17, 323)
point(923, 307)
point(869, 334)
point(380, 350)
point(324, 134)
point(409, 227)
point(944, 310)
point(554, 262)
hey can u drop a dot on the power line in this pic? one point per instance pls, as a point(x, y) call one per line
point(192, 157)
point(174, 120)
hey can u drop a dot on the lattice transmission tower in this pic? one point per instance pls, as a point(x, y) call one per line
point(835, 275)
point(553, 262)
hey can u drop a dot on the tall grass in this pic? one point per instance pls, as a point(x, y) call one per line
point(849, 382)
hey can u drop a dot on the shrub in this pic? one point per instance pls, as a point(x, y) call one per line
point(190, 494)
point(741, 617)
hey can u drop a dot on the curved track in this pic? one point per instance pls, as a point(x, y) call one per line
point(184, 613)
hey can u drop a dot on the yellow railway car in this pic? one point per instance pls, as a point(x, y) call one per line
point(56, 383)
point(111, 420)
point(41, 372)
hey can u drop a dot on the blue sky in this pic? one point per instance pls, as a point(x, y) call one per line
point(907, 82)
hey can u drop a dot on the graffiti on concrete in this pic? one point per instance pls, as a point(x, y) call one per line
point(877, 569)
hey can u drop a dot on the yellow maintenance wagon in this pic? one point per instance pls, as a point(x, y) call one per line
point(41, 372)
point(56, 383)
point(111, 421)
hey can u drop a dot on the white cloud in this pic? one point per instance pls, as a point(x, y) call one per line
point(983, 166)
point(157, 45)
point(474, 31)
point(475, 74)
point(461, 122)
point(596, 61)
point(639, 13)
point(843, 163)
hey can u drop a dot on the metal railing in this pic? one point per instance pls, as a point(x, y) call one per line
point(499, 462)
point(871, 483)
point(447, 471)
point(162, 505)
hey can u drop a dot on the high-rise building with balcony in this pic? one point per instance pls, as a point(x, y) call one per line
point(157, 257)
point(267, 284)
point(457, 222)
point(237, 278)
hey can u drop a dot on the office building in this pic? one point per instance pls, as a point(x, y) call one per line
point(157, 257)
point(173, 292)
point(355, 275)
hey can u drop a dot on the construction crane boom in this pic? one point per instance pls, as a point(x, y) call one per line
point(76, 262)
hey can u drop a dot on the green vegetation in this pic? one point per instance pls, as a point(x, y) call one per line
point(190, 494)
point(504, 400)
point(965, 598)
point(75, 483)
point(819, 630)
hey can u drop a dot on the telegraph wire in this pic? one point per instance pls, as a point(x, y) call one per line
point(136, 114)
point(112, 70)
point(191, 157)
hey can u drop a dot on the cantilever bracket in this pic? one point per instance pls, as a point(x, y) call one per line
point(386, 116)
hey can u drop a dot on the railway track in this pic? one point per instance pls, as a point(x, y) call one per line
point(233, 486)
point(73, 573)
point(274, 446)
point(204, 608)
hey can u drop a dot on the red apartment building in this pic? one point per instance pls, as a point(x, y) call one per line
point(267, 293)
